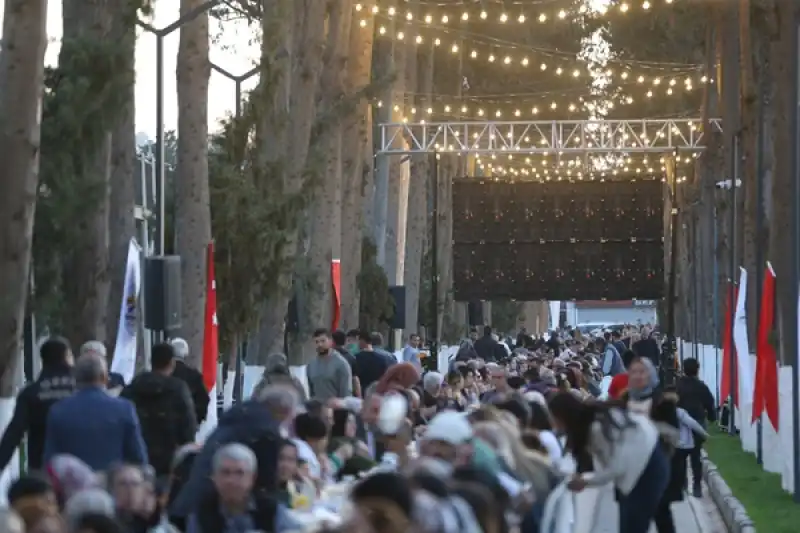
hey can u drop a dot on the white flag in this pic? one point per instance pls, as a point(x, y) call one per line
point(741, 342)
point(124, 362)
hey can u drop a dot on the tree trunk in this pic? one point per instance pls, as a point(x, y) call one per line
point(192, 210)
point(124, 182)
point(308, 43)
point(273, 95)
point(21, 79)
point(449, 165)
point(749, 140)
point(86, 278)
point(417, 212)
point(780, 246)
point(393, 204)
point(356, 163)
point(326, 208)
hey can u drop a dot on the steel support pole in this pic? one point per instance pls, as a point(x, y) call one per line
point(434, 335)
point(794, 276)
point(715, 296)
point(732, 289)
point(670, 346)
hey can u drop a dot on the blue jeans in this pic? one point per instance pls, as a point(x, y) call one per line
point(637, 509)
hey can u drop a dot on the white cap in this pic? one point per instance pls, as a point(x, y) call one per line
point(450, 427)
point(180, 346)
point(93, 347)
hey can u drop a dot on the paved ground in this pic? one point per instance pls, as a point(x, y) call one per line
point(692, 515)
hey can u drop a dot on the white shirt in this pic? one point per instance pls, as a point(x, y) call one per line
point(551, 444)
point(307, 455)
point(623, 458)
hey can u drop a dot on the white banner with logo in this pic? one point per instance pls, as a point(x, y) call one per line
point(124, 362)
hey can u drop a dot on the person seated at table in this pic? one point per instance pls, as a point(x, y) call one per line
point(343, 433)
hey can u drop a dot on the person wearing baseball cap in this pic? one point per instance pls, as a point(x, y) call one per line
point(448, 438)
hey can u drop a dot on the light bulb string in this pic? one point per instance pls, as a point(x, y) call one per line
point(408, 20)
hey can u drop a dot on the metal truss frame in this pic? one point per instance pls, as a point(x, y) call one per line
point(546, 137)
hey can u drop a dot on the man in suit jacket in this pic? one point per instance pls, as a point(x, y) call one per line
point(92, 425)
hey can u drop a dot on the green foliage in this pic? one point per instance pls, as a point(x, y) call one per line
point(505, 314)
point(376, 306)
point(251, 220)
point(82, 101)
point(670, 33)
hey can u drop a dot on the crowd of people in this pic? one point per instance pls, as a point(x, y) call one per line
point(501, 441)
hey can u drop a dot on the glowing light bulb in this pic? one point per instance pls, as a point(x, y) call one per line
point(374, 10)
point(640, 79)
point(473, 54)
point(428, 19)
point(525, 61)
point(624, 75)
point(553, 105)
point(576, 73)
point(391, 11)
point(503, 18)
point(491, 58)
point(559, 71)
point(521, 19)
point(624, 8)
point(507, 60)
point(646, 5)
point(543, 66)
point(484, 15)
point(465, 16)
point(418, 39)
point(382, 30)
point(437, 41)
point(359, 7)
point(563, 14)
point(362, 23)
point(455, 49)
point(400, 36)
point(445, 19)
point(542, 18)
point(535, 110)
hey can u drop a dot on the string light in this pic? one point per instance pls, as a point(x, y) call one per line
point(541, 17)
point(532, 108)
point(562, 69)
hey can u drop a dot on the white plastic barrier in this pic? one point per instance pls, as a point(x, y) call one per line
point(777, 447)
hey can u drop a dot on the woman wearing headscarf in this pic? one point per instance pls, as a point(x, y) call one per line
point(276, 371)
point(69, 475)
point(646, 397)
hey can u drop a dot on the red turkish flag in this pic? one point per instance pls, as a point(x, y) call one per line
point(765, 393)
point(211, 331)
point(336, 281)
point(727, 349)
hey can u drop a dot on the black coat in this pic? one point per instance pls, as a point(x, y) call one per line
point(166, 414)
point(30, 414)
point(489, 349)
point(194, 380)
point(263, 513)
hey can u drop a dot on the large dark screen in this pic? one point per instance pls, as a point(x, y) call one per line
point(559, 241)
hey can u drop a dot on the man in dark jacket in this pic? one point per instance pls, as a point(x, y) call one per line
point(489, 349)
point(647, 347)
point(34, 402)
point(165, 409)
point(371, 363)
point(256, 423)
point(192, 377)
point(695, 397)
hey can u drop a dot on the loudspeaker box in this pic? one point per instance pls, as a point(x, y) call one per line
point(162, 292)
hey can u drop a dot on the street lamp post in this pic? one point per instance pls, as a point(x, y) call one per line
point(160, 34)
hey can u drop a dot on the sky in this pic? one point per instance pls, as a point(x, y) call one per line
point(231, 52)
